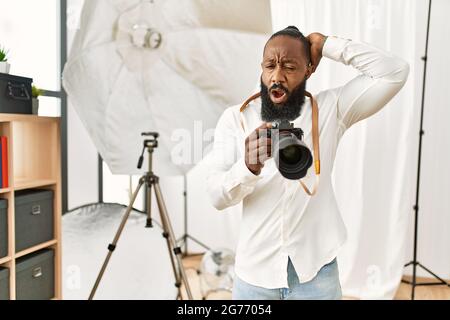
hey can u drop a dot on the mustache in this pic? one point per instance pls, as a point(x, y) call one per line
point(290, 110)
point(278, 86)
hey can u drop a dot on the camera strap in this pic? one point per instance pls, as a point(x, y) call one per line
point(315, 136)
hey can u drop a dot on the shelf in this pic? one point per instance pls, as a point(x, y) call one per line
point(34, 161)
point(5, 260)
point(5, 190)
point(36, 248)
point(21, 184)
point(35, 151)
point(6, 117)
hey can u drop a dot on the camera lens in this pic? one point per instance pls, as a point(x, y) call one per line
point(292, 156)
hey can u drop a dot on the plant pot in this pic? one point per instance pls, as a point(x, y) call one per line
point(35, 104)
point(4, 67)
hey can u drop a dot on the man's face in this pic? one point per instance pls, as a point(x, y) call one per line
point(283, 79)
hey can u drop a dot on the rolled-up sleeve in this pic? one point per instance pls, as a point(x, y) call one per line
point(382, 76)
point(229, 180)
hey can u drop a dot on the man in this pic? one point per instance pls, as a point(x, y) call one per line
point(289, 240)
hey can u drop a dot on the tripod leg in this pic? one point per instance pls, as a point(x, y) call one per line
point(442, 281)
point(172, 261)
point(113, 245)
point(148, 200)
point(164, 234)
point(172, 239)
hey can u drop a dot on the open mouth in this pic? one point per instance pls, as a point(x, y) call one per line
point(278, 95)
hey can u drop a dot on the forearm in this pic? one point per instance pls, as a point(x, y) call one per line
point(369, 60)
point(382, 76)
point(229, 180)
point(228, 188)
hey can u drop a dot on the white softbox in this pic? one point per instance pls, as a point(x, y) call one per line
point(168, 66)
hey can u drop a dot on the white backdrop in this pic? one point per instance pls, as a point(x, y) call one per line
point(375, 170)
point(434, 238)
point(373, 177)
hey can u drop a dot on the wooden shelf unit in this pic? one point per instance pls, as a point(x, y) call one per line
point(34, 161)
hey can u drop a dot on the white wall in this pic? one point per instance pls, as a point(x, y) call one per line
point(81, 163)
point(81, 153)
point(38, 23)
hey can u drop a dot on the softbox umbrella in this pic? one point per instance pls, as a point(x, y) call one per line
point(168, 66)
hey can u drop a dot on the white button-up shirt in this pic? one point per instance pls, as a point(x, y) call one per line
point(279, 220)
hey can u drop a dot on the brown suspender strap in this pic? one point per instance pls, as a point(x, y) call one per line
point(315, 136)
point(315, 131)
point(246, 103)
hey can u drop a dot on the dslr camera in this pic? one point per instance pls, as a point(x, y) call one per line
point(292, 156)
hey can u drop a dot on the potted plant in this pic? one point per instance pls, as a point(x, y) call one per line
point(35, 93)
point(4, 65)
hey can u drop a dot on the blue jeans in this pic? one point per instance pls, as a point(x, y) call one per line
point(325, 286)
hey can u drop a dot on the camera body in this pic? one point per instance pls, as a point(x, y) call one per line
point(285, 127)
point(292, 156)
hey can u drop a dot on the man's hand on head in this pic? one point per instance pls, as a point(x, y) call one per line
point(317, 41)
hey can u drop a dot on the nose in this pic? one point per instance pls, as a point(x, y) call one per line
point(278, 76)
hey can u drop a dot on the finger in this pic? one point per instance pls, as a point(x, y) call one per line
point(251, 140)
point(265, 150)
point(260, 146)
point(316, 63)
point(269, 151)
point(262, 129)
point(264, 141)
point(264, 125)
point(263, 154)
point(252, 145)
point(258, 156)
point(252, 157)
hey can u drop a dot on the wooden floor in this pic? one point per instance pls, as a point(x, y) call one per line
point(423, 293)
point(404, 292)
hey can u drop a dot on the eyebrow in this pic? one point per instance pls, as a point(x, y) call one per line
point(283, 60)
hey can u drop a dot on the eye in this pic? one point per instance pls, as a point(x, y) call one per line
point(270, 66)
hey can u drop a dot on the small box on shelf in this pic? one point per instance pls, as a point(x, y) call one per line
point(4, 283)
point(3, 228)
point(33, 218)
point(35, 276)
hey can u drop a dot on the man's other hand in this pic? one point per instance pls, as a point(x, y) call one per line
point(316, 40)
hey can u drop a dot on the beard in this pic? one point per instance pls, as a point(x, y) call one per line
point(290, 110)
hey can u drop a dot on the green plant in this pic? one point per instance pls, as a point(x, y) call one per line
point(3, 54)
point(36, 92)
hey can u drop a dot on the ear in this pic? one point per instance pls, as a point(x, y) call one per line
point(309, 71)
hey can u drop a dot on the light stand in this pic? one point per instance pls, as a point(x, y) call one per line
point(151, 180)
point(184, 238)
point(414, 262)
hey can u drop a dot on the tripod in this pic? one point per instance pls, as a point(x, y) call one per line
point(151, 180)
point(414, 262)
